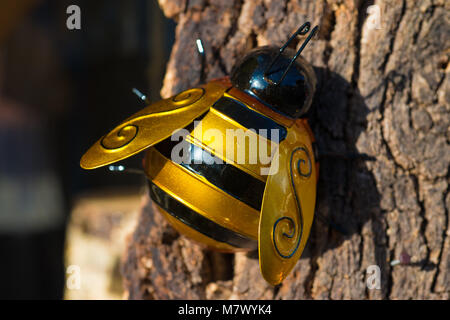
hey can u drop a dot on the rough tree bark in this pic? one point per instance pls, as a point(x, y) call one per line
point(384, 92)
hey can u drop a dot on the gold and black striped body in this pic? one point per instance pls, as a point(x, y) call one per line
point(255, 189)
point(232, 163)
point(218, 204)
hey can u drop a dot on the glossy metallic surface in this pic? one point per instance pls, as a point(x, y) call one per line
point(292, 96)
point(151, 125)
point(196, 236)
point(219, 173)
point(206, 201)
point(197, 193)
point(242, 154)
point(197, 222)
point(248, 118)
point(288, 206)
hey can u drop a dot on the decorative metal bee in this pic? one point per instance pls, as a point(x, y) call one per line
point(225, 204)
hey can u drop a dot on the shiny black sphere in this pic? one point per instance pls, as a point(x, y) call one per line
point(292, 96)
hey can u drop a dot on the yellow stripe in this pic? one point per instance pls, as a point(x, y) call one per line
point(201, 196)
point(215, 120)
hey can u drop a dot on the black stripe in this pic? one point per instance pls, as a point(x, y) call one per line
point(198, 222)
point(248, 118)
point(224, 176)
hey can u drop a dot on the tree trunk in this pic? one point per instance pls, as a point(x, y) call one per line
point(383, 90)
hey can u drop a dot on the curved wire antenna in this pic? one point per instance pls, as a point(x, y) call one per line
point(201, 51)
point(304, 29)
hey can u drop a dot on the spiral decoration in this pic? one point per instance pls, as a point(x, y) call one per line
point(120, 137)
point(279, 230)
point(125, 133)
point(188, 97)
point(285, 229)
point(301, 162)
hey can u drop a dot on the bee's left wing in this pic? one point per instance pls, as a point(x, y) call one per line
point(151, 125)
point(288, 206)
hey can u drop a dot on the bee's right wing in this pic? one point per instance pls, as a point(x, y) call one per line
point(152, 124)
point(288, 206)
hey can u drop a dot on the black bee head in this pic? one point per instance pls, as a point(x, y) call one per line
point(268, 77)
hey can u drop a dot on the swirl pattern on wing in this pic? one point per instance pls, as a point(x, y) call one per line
point(127, 132)
point(120, 137)
point(287, 233)
point(188, 97)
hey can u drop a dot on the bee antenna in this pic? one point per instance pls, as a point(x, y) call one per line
point(201, 51)
point(304, 29)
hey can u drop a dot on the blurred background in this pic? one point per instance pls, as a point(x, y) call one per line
point(61, 90)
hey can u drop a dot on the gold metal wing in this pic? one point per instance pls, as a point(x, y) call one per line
point(288, 206)
point(151, 125)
